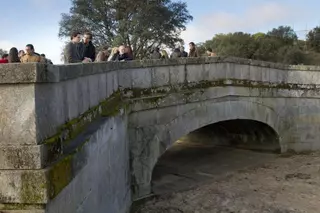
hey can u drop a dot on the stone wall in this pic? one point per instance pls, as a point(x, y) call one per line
point(103, 183)
point(64, 144)
point(60, 125)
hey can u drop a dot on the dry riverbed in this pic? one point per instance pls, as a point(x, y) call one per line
point(279, 184)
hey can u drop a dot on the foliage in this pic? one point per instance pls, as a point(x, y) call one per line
point(136, 23)
point(278, 45)
point(313, 39)
point(284, 33)
point(2, 51)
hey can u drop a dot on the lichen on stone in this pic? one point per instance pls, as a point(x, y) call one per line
point(20, 206)
point(32, 190)
point(61, 173)
point(59, 176)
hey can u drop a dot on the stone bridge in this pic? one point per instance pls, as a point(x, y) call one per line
point(85, 137)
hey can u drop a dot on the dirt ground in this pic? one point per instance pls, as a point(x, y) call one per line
point(204, 179)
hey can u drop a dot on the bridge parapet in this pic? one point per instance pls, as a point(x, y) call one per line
point(46, 112)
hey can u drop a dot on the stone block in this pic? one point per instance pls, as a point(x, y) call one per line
point(110, 83)
point(244, 71)
point(125, 79)
point(255, 73)
point(23, 211)
point(217, 71)
point(72, 71)
point(160, 76)
point(265, 75)
point(146, 118)
point(71, 100)
point(102, 87)
point(83, 95)
point(177, 75)
point(274, 75)
point(141, 78)
point(115, 81)
point(17, 115)
point(23, 186)
point(21, 73)
point(232, 72)
point(21, 157)
point(195, 73)
point(93, 90)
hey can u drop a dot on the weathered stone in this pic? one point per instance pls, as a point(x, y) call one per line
point(21, 157)
point(22, 73)
point(23, 186)
point(64, 134)
point(22, 211)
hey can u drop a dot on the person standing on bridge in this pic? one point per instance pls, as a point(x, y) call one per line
point(4, 59)
point(210, 53)
point(184, 54)
point(74, 51)
point(89, 48)
point(193, 52)
point(13, 55)
point(30, 55)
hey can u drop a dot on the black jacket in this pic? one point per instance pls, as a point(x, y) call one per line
point(123, 57)
point(90, 51)
point(184, 54)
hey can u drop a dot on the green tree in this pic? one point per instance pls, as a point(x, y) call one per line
point(313, 39)
point(285, 33)
point(2, 51)
point(267, 48)
point(290, 55)
point(259, 36)
point(278, 45)
point(141, 24)
point(237, 44)
point(201, 48)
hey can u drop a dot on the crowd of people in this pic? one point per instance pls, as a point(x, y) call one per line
point(29, 55)
point(81, 49)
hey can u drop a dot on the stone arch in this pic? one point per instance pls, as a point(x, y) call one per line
point(190, 117)
point(214, 112)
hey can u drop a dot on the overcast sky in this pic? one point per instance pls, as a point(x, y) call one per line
point(36, 21)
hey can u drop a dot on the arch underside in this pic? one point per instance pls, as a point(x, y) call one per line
point(152, 141)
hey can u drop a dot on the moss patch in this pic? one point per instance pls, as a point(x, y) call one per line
point(32, 190)
point(71, 129)
point(153, 100)
point(18, 206)
point(59, 176)
point(112, 106)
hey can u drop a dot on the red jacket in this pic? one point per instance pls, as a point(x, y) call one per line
point(4, 61)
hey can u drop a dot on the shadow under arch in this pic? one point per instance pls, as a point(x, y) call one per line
point(189, 119)
point(211, 151)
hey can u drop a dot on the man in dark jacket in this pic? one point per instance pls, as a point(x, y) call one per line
point(74, 49)
point(176, 53)
point(89, 48)
point(183, 53)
